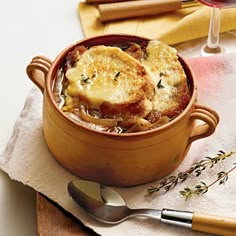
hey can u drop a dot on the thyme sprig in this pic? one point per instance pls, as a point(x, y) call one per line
point(197, 168)
point(160, 85)
point(202, 188)
point(117, 74)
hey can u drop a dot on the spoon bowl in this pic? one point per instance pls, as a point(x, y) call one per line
point(99, 201)
point(107, 206)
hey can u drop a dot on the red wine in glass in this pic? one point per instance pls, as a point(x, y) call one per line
point(212, 45)
point(219, 3)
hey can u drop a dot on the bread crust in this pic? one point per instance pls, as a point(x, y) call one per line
point(137, 88)
point(111, 80)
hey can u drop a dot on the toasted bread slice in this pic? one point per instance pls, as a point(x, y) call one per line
point(171, 91)
point(108, 79)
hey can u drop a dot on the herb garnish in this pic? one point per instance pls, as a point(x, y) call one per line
point(161, 73)
point(197, 168)
point(146, 54)
point(84, 79)
point(94, 75)
point(202, 188)
point(159, 84)
point(117, 75)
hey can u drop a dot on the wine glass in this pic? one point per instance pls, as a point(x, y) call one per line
point(212, 46)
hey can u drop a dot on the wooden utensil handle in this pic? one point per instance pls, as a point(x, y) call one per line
point(214, 224)
point(105, 1)
point(129, 9)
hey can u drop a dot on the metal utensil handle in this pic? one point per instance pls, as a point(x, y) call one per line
point(174, 217)
point(179, 218)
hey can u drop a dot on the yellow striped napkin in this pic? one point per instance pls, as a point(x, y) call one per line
point(171, 28)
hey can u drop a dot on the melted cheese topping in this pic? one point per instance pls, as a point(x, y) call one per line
point(167, 74)
point(123, 88)
point(108, 75)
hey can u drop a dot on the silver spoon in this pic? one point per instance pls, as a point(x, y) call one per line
point(108, 206)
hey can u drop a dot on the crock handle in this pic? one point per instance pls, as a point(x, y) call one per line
point(210, 120)
point(37, 70)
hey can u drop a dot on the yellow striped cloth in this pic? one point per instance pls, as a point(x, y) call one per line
point(171, 28)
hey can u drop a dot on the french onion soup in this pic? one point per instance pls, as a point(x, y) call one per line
point(122, 89)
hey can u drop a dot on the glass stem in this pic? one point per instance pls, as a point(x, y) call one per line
point(214, 29)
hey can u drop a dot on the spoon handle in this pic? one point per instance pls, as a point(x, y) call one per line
point(200, 222)
point(214, 224)
point(180, 218)
point(196, 221)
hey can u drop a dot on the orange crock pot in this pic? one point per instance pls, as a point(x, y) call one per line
point(125, 159)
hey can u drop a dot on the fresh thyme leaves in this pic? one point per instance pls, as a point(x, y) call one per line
point(146, 54)
point(198, 189)
point(202, 188)
point(223, 176)
point(161, 74)
point(160, 85)
point(197, 168)
point(117, 75)
point(84, 79)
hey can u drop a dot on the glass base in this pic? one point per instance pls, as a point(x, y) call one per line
point(193, 48)
point(206, 51)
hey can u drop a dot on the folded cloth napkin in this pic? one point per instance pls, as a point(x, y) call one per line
point(28, 160)
point(171, 28)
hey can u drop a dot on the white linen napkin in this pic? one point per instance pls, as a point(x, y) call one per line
point(28, 160)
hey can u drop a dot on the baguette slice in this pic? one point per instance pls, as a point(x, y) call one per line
point(110, 80)
point(172, 92)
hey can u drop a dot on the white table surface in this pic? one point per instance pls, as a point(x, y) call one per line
point(30, 28)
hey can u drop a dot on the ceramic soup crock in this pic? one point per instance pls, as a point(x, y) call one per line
point(126, 159)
